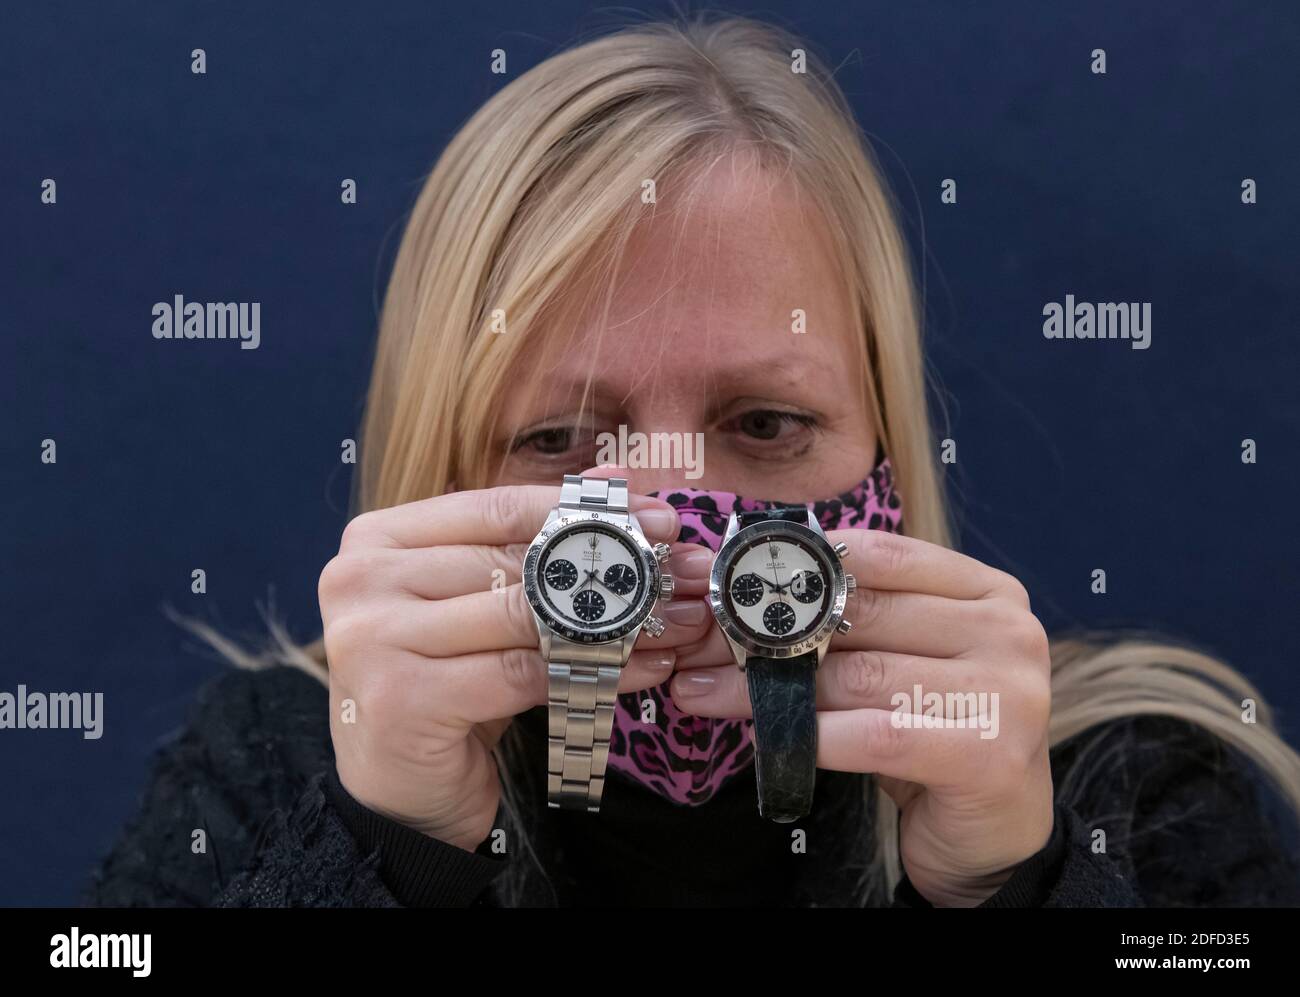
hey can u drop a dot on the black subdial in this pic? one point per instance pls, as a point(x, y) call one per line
point(589, 605)
point(561, 574)
point(806, 586)
point(747, 589)
point(779, 618)
point(620, 578)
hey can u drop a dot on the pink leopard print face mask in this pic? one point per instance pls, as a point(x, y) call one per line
point(687, 758)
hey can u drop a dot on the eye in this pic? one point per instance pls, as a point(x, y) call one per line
point(766, 425)
point(550, 441)
point(772, 434)
point(537, 452)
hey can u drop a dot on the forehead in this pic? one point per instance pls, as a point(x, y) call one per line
point(706, 289)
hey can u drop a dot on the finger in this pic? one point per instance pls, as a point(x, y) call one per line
point(479, 688)
point(900, 622)
point(884, 741)
point(685, 622)
point(497, 620)
point(712, 649)
point(846, 680)
point(718, 691)
point(495, 516)
point(445, 572)
point(361, 573)
point(896, 563)
point(928, 625)
point(885, 680)
point(899, 746)
point(690, 565)
point(442, 572)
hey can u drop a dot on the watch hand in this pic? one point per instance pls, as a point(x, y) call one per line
point(592, 575)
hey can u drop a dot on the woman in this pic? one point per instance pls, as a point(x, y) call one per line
point(671, 230)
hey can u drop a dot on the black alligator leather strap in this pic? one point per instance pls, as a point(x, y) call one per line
point(785, 514)
point(783, 692)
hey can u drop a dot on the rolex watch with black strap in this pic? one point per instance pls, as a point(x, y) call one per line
point(778, 592)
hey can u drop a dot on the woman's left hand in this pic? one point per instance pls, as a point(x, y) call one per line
point(975, 799)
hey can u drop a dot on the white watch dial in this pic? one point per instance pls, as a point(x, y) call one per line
point(591, 578)
point(777, 590)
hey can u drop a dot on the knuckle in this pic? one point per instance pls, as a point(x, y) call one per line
point(358, 636)
point(892, 552)
point(518, 613)
point(499, 559)
point(332, 581)
point(1014, 589)
point(1030, 637)
point(870, 607)
point(349, 636)
point(1001, 620)
point(519, 669)
point(359, 530)
point(345, 574)
point(501, 505)
point(887, 553)
point(881, 737)
point(511, 557)
point(863, 675)
point(1036, 702)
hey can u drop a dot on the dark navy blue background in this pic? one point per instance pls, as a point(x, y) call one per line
point(225, 187)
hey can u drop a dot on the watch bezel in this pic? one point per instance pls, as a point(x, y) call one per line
point(571, 521)
point(795, 532)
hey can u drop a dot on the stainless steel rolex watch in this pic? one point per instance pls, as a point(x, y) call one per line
point(592, 579)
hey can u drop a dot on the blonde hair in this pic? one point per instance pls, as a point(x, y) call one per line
point(543, 184)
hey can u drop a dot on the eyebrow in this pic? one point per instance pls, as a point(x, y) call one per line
point(785, 368)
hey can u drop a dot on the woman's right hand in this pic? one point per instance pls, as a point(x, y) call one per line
point(432, 650)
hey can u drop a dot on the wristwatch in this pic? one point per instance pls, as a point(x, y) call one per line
point(778, 592)
point(592, 579)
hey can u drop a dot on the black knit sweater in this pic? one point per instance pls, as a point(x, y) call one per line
point(1186, 822)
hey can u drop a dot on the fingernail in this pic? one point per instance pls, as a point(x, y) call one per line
point(694, 564)
point(693, 684)
point(660, 522)
point(686, 612)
